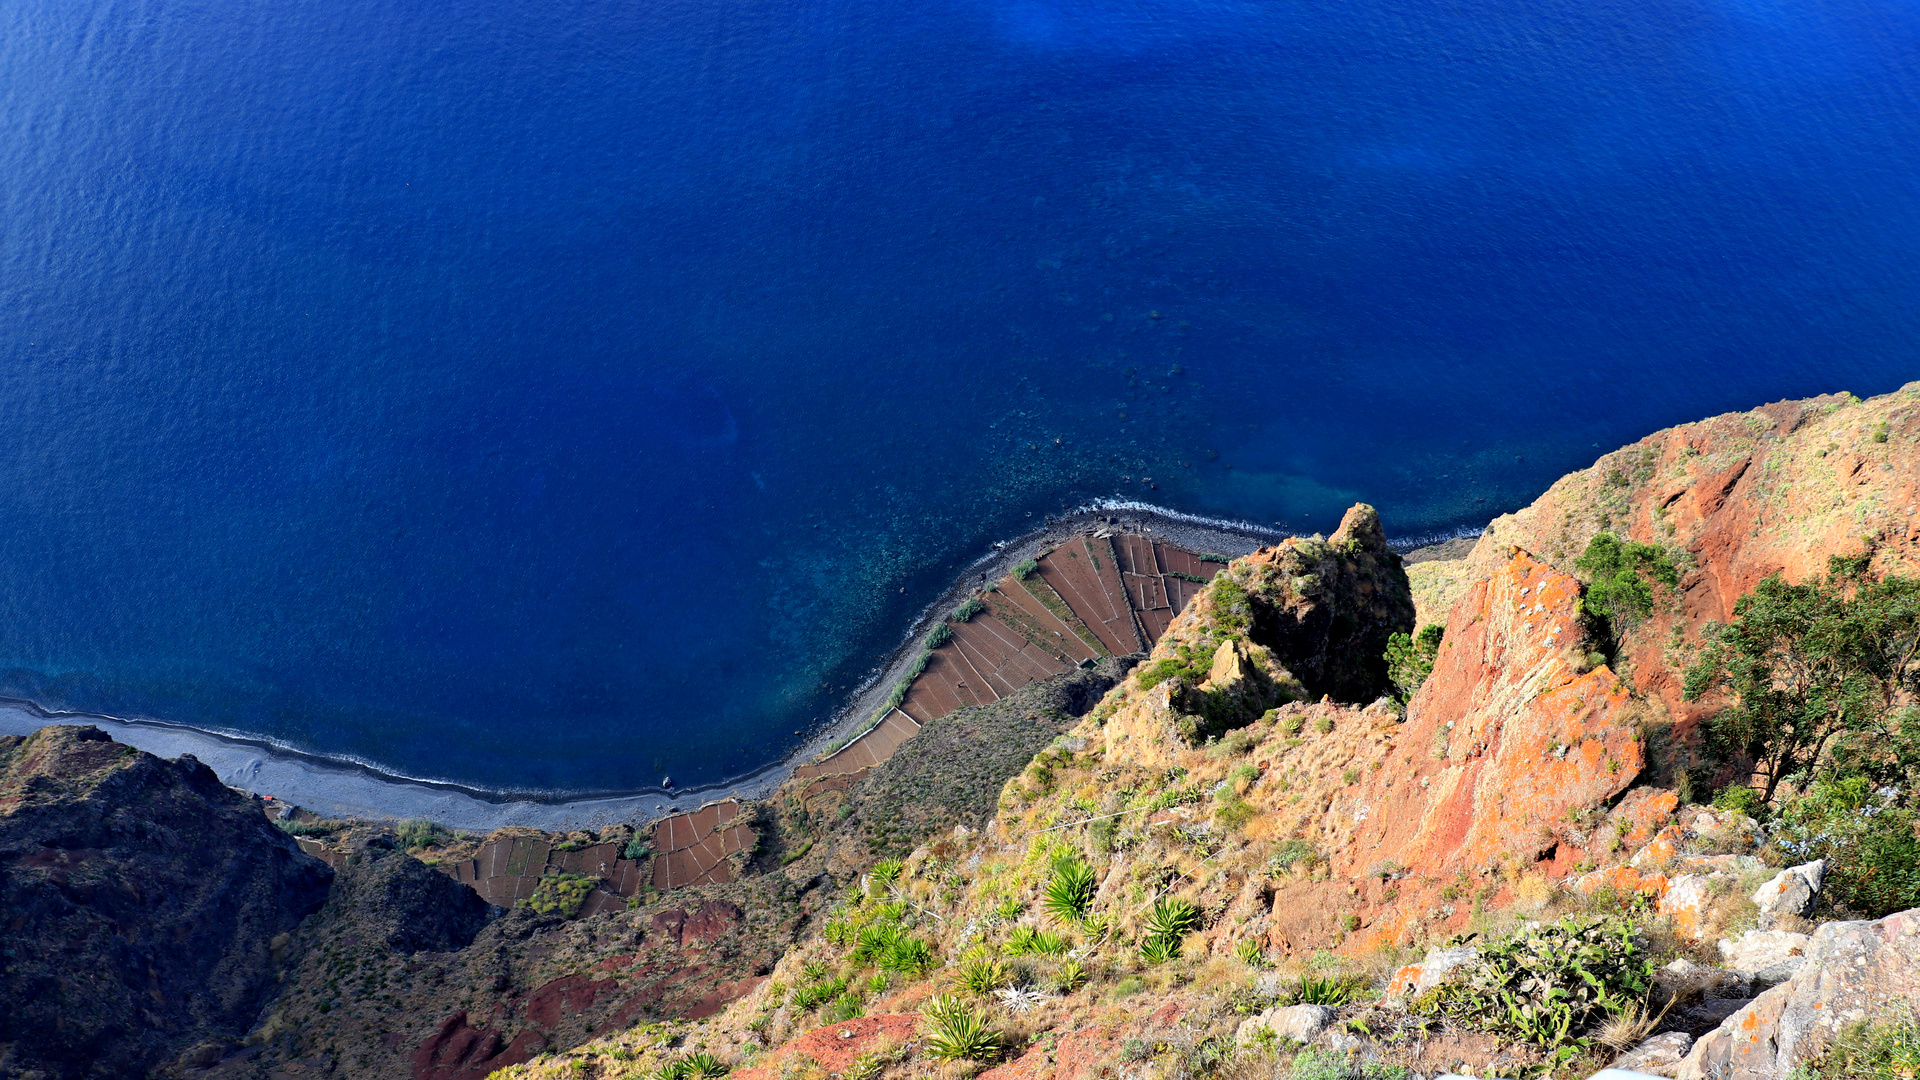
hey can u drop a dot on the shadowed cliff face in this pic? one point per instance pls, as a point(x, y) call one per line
point(145, 903)
point(1326, 609)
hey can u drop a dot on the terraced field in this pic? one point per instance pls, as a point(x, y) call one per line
point(1098, 594)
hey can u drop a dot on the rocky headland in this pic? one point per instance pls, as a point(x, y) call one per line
point(1131, 811)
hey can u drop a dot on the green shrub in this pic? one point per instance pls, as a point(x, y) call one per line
point(1547, 983)
point(1815, 671)
point(417, 833)
point(1323, 725)
point(1315, 1063)
point(1410, 660)
point(973, 606)
point(1291, 724)
point(310, 828)
point(941, 634)
point(956, 1031)
point(1129, 986)
point(1867, 838)
point(1025, 569)
point(1069, 892)
point(1330, 990)
point(637, 848)
point(561, 894)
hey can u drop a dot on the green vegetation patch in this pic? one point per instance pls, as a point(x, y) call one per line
point(1410, 660)
point(561, 894)
point(1619, 577)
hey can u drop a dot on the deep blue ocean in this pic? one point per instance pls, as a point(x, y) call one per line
point(553, 395)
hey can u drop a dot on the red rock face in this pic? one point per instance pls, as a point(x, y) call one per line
point(460, 1051)
point(1506, 746)
point(1516, 734)
point(1742, 496)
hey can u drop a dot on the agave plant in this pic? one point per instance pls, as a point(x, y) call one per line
point(1158, 950)
point(884, 875)
point(875, 941)
point(981, 975)
point(909, 955)
point(1172, 917)
point(1249, 953)
point(1021, 940)
point(704, 1066)
point(956, 1031)
point(1330, 990)
point(1069, 893)
point(1048, 943)
point(1071, 975)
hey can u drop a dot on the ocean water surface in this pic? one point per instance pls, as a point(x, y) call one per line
point(557, 395)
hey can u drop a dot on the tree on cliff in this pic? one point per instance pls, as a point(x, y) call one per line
point(1619, 577)
point(1821, 676)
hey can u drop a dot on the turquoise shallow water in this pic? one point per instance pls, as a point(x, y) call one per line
point(560, 395)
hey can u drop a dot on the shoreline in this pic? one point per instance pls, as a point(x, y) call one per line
point(346, 788)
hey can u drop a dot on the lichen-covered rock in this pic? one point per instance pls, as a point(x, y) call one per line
point(145, 905)
point(1767, 956)
point(1441, 966)
point(1851, 971)
point(1790, 892)
point(1736, 497)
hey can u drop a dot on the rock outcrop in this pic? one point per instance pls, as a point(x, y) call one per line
point(147, 906)
point(1326, 608)
point(1852, 971)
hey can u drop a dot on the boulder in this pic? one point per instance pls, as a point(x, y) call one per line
point(1299, 1023)
point(1658, 1056)
point(1440, 966)
point(1851, 971)
point(1769, 957)
point(1685, 902)
point(1791, 892)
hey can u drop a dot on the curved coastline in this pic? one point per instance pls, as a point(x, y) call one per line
point(342, 786)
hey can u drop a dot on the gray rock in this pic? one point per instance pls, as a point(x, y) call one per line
point(1297, 1022)
point(1658, 1056)
point(1769, 957)
point(1791, 892)
point(1851, 970)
